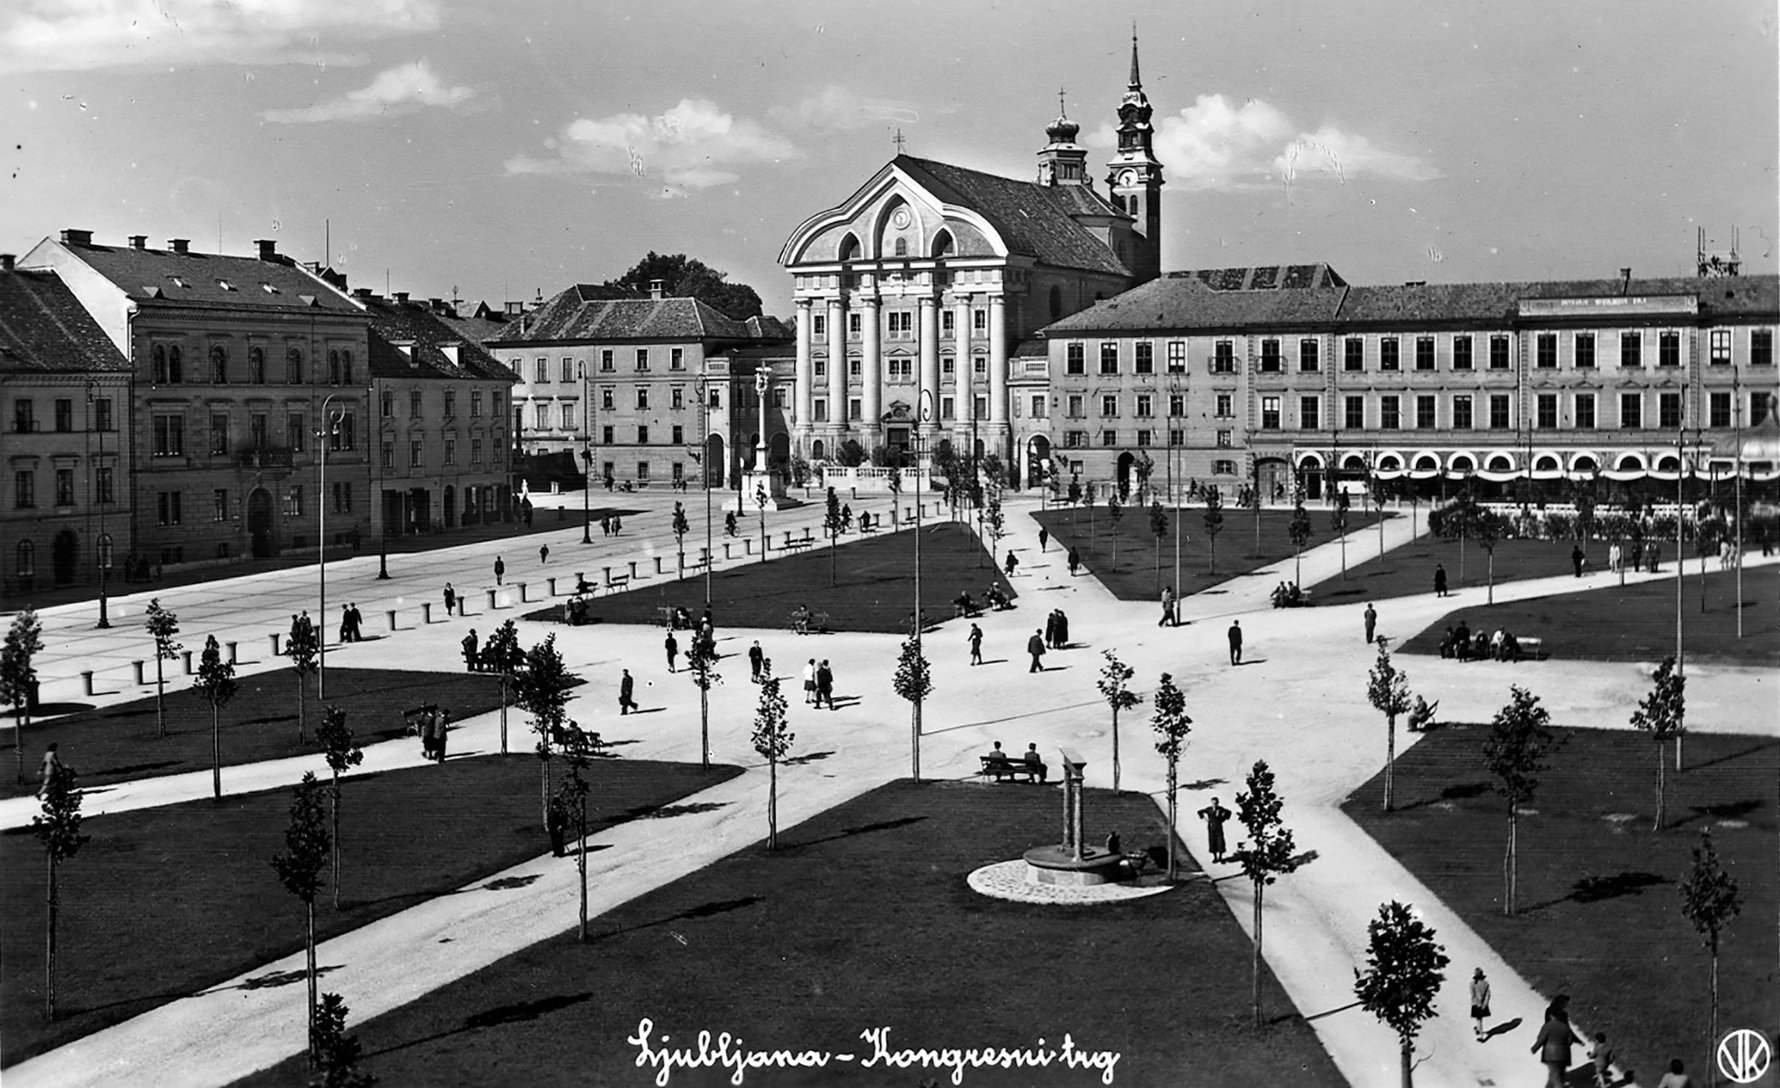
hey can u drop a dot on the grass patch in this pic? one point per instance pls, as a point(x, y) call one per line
point(120, 742)
point(1410, 568)
point(862, 920)
point(1132, 573)
point(163, 902)
point(1636, 622)
point(869, 586)
point(1600, 917)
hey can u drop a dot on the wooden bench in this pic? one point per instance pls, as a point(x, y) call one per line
point(1532, 646)
point(617, 582)
point(1008, 768)
point(664, 615)
point(796, 545)
point(816, 623)
point(571, 736)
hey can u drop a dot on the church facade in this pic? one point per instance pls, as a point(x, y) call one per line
point(915, 293)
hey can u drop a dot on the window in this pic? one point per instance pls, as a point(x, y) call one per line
point(1223, 357)
point(541, 416)
point(343, 497)
point(900, 370)
point(24, 489)
point(475, 405)
point(1668, 348)
point(642, 358)
point(1585, 350)
point(1354, 413)
point(948, 322)
point(947, 366)
point(102, 414)
point(979, 322)
point(297, 431)
point(1145, 358)
point(1547, 408)
point(414, 404)
point(1758, 409)
point(541, 371)
point(175, 370)
point(606, 436)
point(1499, 412)
point(451, 451)
point(1225, 405)
point(293, 502)
point(1270, 356)
point(450, 405)
point(64, 415)
point(219, 433)
point(1719, 410)
point(1109, 406)
point(1631, 411)
point(1424, 353)
point(256, 365)
point(389, 455)
point(1585, 411)
point(1075, 440)
point(1388, 353)
point(1177, 356)
point(642, 396)
point(1424, 412)
point(1146, 438)
point(979, 365)
point(948, 408)
point(642, 472)
point(1109, 438)
point(416, 453)
point(386, 404)
point(568, 417)
point(676, 358)
point(1461, 412)
point(679, 435)
point(158, 354)
point(293, 366)
point(568, 369)
point(1390, 415)
point(64, 487)
point(342, 435)
point(1270, 413)
point(1761, 347)
point(1631, 349)
point(1461, 353)
point(1223, 438)
point(102, 485)
point(1310, 413)
point(1109, 357)
point(219, 504)
point(1307, 356)
point(606, 359)
point(1072, 359)
point(677, 397)
point(340, 366)
point(853, 368)
point(1720, 340)
point(1353, 354)
point(819, 324)
point(1499, 352)
point(1668, 411)
point(902, 324)
point(678, 471)
point(643, 436)
point(853, 325)
point(606, 400)
point(819, 410)
point(1038, 406)
point(167, 508)
point(1223, 468)
point(1145, 405)
point(25, 563)
point(169, 436)
point(854, 409)
point(1177, 405)
point(1075, 406)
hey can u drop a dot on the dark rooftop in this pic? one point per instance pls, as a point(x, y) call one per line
point(1035, 220)
point(150, 275)
point(45, 329)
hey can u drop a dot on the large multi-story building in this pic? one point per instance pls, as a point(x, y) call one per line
point(914, 293)
point(65, 387)
point(1288, 375)
point(235, 359)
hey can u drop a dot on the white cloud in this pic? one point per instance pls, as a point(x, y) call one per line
point(694, 145)
point(1216, 144)
point(836, 109)
point(399, 90)
point(70, 35)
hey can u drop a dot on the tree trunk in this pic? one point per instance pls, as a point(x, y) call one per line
point(503, 712)
point(215, 753)
point(1658, 825)
point(1390, 757)
point(18, 738)
point(1173, 772)
point(160, 691)
point(1115, 749)
point(1255, 964)
point(309, 941)
point(301, 711)
point(1298, 567)
point(49, 958)
point(1714, 999)
point(544, 790)
point(1678, 751)
point(1508, 861)
point(772, 804)
point(334, 798)
point(581, 864)
point(704, 727)
point(915, 741)
point(1407, 1049)
point(1492, 576)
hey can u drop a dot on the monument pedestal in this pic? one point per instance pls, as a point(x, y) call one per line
point(753, 482)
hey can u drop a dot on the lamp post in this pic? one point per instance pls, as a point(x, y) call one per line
point(1174, 391)
point(104, 549)
point(1737, 422)
point(702, 391)
point(323, 435)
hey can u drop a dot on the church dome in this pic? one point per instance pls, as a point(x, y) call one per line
point(1062, 130)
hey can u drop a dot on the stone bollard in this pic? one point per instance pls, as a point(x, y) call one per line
point(552, 583)
point(704, 555)
point(491, 600)
point(186, 657)
point(608, 573)
point(726, 553)
point(633, 570)
point(86, 677)
point(426, 612)
point(787, 538)
point(139, 680)
point(658, 569)
point(233, 660)
point(747, 545)
point(274, 638)
point(521, 592)
point(806, 532)
point(392, 618)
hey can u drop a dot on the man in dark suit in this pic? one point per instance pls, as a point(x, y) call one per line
point(1036, 647)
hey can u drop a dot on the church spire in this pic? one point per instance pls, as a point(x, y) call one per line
point(1136, 83)
point(1134, 178)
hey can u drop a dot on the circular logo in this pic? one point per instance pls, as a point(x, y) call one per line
point(900, 218)
point(1744, 1056)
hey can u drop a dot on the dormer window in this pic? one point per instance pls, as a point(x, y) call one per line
point(177, 282)
point(268, 288)
point(225, 285)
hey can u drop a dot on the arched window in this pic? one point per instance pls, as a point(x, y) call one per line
point(175, 370)
point(1461, 463)
point(902, 247)
point(1426, 463)
point(943, 245)
point(333, 366)
point(849, 250)
point(345, 366)
point(1501, 462)
point(256, 362)
point(1670, 463)
point(159, 354)
point(1353, 462)
point(25, 566)
point(1389, 463)
point(293, 366)
point(1631, 462)
point(1545, 463)
point(219, 365)
point(1056, 303)
point(1584, 464)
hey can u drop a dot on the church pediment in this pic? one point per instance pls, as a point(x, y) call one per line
point(894, 217)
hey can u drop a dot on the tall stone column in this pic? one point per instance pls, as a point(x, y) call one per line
point(871, 364)
point(961, 376)
point(998, 374)
point(837, 369)
point(929, 389)
point(800, 400)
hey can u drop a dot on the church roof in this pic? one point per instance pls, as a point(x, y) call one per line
point(588, 312)
point(1034, 220)
point(44, 329)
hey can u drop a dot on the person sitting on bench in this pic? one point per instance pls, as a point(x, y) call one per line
point(583, 586)
point(1446, 644)
point(1461, 641)
point(996, 755)
point(800, 620)
point(964, 605)
point(997, 599)
point(1036, 762)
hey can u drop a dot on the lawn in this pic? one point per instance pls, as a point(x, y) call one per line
point(863, 920)
point(121, 742)
point(1410, 569)
point(1600, 916)
point(1130, 570)
point(1636, 622)
point(165, 901)
point(867, 586)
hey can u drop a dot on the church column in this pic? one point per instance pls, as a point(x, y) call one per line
point(800, 401)
point(998, 373)
point(871, 393)
point(837, 367)
point(961, 365)
point(928, 397)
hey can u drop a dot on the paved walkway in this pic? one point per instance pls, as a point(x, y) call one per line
point(1299, 703)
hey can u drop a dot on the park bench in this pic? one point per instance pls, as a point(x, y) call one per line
point(411, 718)
point(616, 582)
point(797, 545)
point(664, 615)
point(571, 736)
point(1532, 647)
point(815, 623)
point(1008, 768)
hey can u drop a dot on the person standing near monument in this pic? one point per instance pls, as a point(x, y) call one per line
point(1215, 816)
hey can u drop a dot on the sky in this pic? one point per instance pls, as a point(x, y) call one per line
point(498, 150)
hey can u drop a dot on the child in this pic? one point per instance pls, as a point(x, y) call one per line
point(1603, 1056)
point(1480, 1000)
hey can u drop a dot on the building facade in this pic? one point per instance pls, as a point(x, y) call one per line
point(66, 391)
point(1288, 375)
point(913, 293)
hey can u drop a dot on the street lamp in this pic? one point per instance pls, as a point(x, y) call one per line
point(104, 550)
point(586, 452)
point(323, 437)
point(1174, 392)
point(701, 390)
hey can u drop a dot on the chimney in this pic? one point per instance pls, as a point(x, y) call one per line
point(361, 292)
point(1625, 276)
point(268, 248)
point(400, 296)
point(655, 289)
point(72, 237)
point(5, 262)
point(179, 245)
point(138, 241)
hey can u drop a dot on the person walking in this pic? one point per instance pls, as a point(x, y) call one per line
point(543, 554)
point(1439, 580)
point(429, 733)
point(755, 656)
point(469, 645)
point(1371, 622)
point(450, 600)
point(1235, 635)
point(1044, 537)
point(1480, 1002)
point(809, 681)
point(1036, 647)
point(1062, 630)
point(1554, 1041)
point(975, 638)
point(1013, 562)
point(443, 718)
point(1576, 558)
point(1602, 1056)
point(556, 823)
point(1050, 631)
point(358, 622)
point(1167, 619)
point(824, 685)
point(1075, 560)
point(345, 624)
point(1215, 816)
point(672, 645)
point(626, 687)
point(500, 569)
point(52, 765)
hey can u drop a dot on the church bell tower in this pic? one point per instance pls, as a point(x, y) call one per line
point(1134, 175)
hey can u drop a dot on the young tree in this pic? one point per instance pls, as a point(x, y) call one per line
point(1114, 685)
point(1662, 714)
point(1075, 497)
point(341, 752)
point(1388, 689)
point(1088, 501)
point(1143, 467)
point(299, 870)
point(1172, 725)
point(58, 829)
point(1115, 511)
point(681, 527)
point(996, 520)
point(1158, 529)
point(579, 748)
point(216, 683)
point(1338, 526)
point(162, 625)
point(18, 671)
point(1519, 740)
point(895, 481)
point(502, 650)
point(1267, 854)
point(1710, 900)
point(303, 648)
point(701, 666)
point(336, 1053)
point(1488, 528)
point(1214, 522)
point(914, 682)
point(1404, 969)
point(1299, 530)
point(772, 739)
point(542, 691)
point(831, 527)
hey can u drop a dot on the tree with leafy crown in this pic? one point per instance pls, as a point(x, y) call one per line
point(342, 753)
point(18, 672)
point(299, 870)
point(1662, 714)
point(772, 739)
point(1710, 899)
point(57, 827)
point(1519, 740)
point(302, 648)
point(1267, 854)
point(1115, 688)
point(1405, 968)
point(1387, 687)
point(216, 684)
point(1172, 726)
point(1214, 523)
point(914, 682)
point(162, 625)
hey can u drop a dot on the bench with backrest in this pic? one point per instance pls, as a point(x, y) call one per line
point(616, 582)
point(1000, 768)
point(797, 545)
